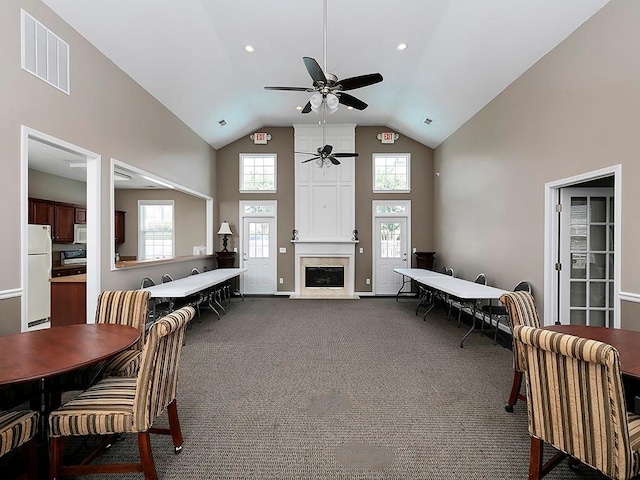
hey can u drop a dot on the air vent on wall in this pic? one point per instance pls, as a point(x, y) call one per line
point(44, 54)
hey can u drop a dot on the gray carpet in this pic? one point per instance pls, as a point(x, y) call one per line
point(320, 389)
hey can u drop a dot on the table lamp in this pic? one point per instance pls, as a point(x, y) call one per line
point(224, 230)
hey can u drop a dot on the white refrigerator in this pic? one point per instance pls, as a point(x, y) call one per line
point(38, 274)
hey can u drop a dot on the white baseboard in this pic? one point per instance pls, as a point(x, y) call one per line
point(285, 294)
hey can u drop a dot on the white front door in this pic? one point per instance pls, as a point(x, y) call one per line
point(259, 255)
point(586, 257)
point(391, 250)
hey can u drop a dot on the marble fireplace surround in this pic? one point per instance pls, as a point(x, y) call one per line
point(334, 253)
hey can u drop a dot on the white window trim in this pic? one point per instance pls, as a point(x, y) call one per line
point(373, 172)
point(173, 225)
point(241, 172)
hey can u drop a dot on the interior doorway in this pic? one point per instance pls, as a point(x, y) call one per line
point(65, 160)
point(582, 236)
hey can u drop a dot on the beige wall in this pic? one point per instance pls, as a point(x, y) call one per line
point(282, 143)
point(106, 113)
point(51, 187)
point(189, 216)
point(574, 111)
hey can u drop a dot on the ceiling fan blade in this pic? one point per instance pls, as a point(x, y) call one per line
point(334, 160)
point(344, 155)
point(351, 101)
point(310, 159)
point(314, 70)
point(306, 153)
point(289, 89)
point(307, 108)
point(360, 81)
point(326, 150)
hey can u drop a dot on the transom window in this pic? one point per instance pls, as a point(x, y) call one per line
point(391, 172)
point(257, 172)
point(155, 229)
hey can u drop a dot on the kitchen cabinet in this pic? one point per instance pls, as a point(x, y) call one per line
point(61, 217)
point(80, 214)
point(65, 272)
point(68, 300)
point(119, 226)
point(40, 212)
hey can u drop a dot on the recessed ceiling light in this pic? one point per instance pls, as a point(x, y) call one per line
point(222, 123)
point(249, 48)
point(349, 107)
point(428, 121)
point(299, 107)
point(402, 46)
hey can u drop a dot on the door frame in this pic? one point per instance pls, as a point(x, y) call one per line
point(374, 215)
point(552, 237)
point(94, 162)
point(242, 204)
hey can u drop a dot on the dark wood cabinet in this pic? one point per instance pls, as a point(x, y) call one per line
point(61, 217)
point(69, 301)
point(119, 226)
point(226, 259)
point(81, 215)
point(64, 217)
point(40, 212)
point(425, 260)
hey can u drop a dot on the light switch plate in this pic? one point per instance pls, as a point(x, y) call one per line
point(361, 250)
point(283, 249)
point(414, 249)
point(235, 249)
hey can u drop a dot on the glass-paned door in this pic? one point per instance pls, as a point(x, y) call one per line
point(258, 255)
point(586, 254)
point(391, 251)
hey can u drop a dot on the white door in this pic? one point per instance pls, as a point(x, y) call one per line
point(259, 255)
point(586, 256)
point(391, 250)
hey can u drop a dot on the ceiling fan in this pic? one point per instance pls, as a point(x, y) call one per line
point(324, 155)
point(328, 89)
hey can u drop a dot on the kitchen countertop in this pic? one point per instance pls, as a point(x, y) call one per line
point(82, 278)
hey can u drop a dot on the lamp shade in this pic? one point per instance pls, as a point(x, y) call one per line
point(224, 229)
point(316, 102)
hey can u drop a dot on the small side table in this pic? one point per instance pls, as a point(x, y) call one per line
point(226, 259)
point(425, 260)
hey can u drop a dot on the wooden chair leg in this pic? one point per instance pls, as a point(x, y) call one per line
point(535, 459)
point(146, 456)
point(56, 457)
point(174, 426)
point(29, 460)
point(514, 396)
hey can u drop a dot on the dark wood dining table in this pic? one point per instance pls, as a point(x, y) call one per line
point(627, 342)
point(42, 354)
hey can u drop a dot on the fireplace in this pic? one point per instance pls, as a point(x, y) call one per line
point(324, 276)
point(325, 269)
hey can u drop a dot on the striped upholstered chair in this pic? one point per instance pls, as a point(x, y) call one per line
point(522, 311)
point(128, 307)
point(127, 404)
point(17, 430)
point(575, 402)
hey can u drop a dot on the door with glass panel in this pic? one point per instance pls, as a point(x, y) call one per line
point(259, 255)
point(391, 250)
point(586, 257)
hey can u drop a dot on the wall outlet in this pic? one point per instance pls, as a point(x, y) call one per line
point(283, 250)
point(235, 249)
point(361, 250)
point(281, 280)
point(368, 281)
point(414, 249)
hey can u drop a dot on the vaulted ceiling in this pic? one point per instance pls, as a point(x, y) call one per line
point(189, 54)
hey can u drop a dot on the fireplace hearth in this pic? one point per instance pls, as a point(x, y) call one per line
point(324, 276)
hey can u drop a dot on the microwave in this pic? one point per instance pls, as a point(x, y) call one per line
point(80, 233)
